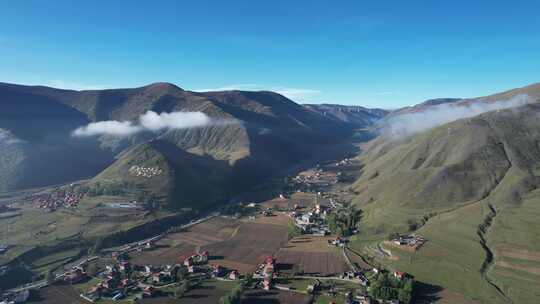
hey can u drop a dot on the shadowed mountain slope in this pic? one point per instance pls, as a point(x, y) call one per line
point(254, 135)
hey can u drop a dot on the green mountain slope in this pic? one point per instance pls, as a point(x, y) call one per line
point(469, 187)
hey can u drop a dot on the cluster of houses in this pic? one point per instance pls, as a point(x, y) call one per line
point(193, 262)
point(267, 272)
point(198, 263)
point(318, 179)
point(51, 202)
point(124, 277)
point(313, 221)
point(343, 162)
point(411, 242)
point(147, 172)
point(355, 276)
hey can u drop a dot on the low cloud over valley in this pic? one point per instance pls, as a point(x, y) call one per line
point(149, 121)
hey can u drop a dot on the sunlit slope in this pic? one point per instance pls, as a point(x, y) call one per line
point(474, 181)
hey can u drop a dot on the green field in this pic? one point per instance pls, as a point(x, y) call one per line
point(83, 224)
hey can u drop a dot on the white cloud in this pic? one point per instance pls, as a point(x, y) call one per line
point(412, 123)
point(149, 121)
point(109, 127)
point(297, 94)
point(176, 120)
point(6, 137)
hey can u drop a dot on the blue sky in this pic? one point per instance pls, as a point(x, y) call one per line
point(373, 53)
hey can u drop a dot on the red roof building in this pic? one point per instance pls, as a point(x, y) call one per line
point(399, 274)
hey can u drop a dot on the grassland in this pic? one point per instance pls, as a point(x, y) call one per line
point(469, 187)
point(515, 239)
point(452, 257)
point(68, 229)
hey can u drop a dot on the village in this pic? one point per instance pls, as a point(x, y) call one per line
point(290, 249)
point(54, 200)
point(147, 172)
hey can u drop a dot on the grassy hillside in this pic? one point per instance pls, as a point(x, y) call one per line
point(146, 156)
point(470, 186)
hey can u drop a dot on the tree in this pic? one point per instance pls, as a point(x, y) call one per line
point(413, 225)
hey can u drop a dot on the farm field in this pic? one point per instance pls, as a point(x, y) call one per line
point(251, 243)
point(235, 244)
point(214, 230)
point(163, 253)
point(173, 247)
point(311, 255)
point(58, 294)
point(274, 297)
point(209, 292)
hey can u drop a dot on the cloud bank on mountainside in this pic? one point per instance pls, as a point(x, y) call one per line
point(149, 121)
point(411, 123)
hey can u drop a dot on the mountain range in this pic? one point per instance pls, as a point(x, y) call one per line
point(251, 137)
point(462, 172)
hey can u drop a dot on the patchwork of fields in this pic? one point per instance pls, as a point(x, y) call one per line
point(235, 244)
point(311, 255)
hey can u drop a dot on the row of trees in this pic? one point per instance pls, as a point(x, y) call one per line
point(384, 286)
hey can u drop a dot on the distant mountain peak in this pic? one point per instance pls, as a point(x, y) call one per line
point(163, 85)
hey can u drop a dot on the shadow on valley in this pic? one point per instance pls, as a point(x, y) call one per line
point(425, 293)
